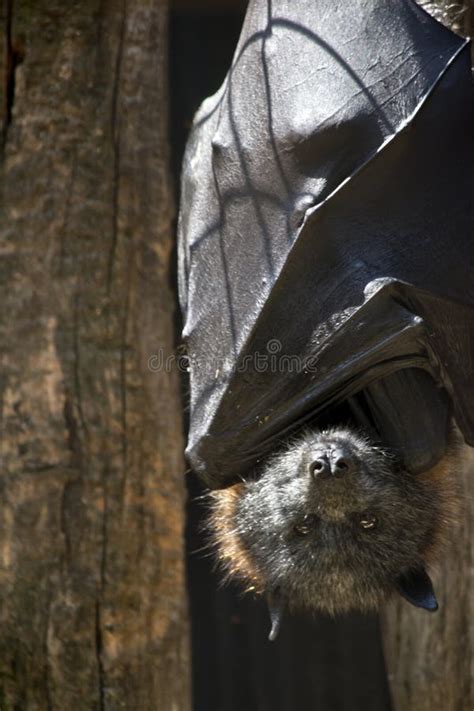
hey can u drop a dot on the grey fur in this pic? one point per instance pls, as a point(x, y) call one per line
point(340, 542)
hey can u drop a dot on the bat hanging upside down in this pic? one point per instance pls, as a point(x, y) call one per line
point(327, 210)
point(334, 523)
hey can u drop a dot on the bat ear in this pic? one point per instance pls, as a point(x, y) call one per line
point(276, 607)
point(416, 587)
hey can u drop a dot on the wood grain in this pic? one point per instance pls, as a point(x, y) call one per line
point(92, 604)
point(430, 656)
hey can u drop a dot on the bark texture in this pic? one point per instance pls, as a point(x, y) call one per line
point(92, 605)
point(430, 656)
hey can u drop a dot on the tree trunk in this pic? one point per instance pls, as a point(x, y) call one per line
point(430, 656)
point(92, 598)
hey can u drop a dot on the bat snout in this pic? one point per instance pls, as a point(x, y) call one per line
point(336, 463)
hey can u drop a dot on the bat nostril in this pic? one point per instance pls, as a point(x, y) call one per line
point(320, 468)
point(342, 463)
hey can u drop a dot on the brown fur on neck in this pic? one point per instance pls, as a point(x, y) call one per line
point(232, 555)
point(441, 481)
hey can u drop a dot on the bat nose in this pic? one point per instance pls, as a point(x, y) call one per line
point(336, 464)
point(342, 463)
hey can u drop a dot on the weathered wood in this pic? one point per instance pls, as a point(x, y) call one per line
point(92, 605)
point(430, 657)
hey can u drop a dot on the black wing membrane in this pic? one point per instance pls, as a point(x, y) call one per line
point(325, 233)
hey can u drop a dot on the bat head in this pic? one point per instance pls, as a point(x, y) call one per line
point(334, 524)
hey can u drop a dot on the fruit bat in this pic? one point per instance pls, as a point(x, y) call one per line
point(325, 264)
point(325, 235)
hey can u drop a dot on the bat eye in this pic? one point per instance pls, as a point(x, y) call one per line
point(367, 521)
point(306, 525)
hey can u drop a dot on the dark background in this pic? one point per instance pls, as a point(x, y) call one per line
point(320, 664)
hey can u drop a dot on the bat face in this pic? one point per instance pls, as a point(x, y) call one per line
point(333, 524)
